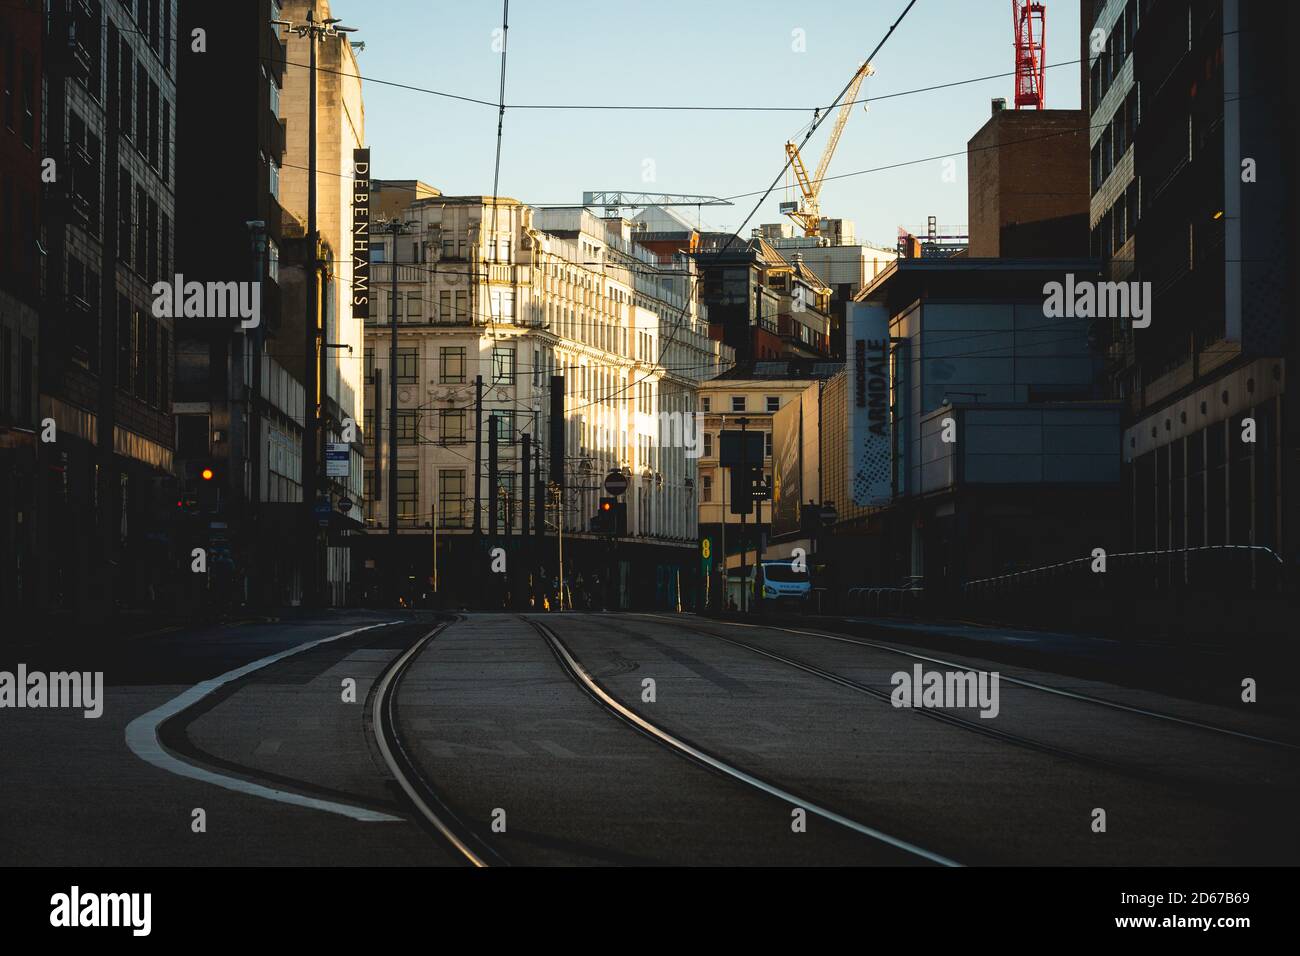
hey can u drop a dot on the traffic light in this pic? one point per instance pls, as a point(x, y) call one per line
point(602, 522)
point(610, 518)
point(745, 482)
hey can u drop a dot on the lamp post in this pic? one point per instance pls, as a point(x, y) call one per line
point(314, 31)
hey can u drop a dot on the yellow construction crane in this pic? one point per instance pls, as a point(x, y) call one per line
point(807, 213)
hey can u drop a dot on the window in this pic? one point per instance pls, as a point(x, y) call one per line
point(124, 97)
point(407, 496)
point(503, 305)
point(153, 125)
point(142, 136)
point(503, 365)
point(444, 306)
point(461, 312)
point(124, 216)
point(164, 363)
point(737, 403)
point(773, 403)
point(767, 444)
point(708, 445)
point(414, 307)
point(451, 499)
point(378, 251)
point(452, 431)
point(407, 420)
point(141, 229)
point(451, 362)
point(505, 419)
point(273, 177)
point(408, 362)
point(370, 366)
point(706, 488)
point(506, 506)
point(140, 359)
point(6, 368)
point(706, 403)
point(165, 158)
point(151, 268)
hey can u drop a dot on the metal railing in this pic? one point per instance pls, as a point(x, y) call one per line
point(884, 600)
point(1252, 568)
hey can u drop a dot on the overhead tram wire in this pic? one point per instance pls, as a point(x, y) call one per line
point(775, 182)
point(964, 151)
point(661, 107)
point(501, 119)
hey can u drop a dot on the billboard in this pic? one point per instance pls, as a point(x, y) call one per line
point(361, 233)
point(869, 461)
point(787, 470)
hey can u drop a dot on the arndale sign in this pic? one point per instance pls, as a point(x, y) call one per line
point(870, 465)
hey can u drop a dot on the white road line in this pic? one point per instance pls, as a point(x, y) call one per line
point(142, 738)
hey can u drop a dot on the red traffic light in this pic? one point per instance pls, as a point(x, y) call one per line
point(207, 474)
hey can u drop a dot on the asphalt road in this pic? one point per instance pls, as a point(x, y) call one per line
point(597, 739)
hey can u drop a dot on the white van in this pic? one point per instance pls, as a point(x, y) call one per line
point(781, 582)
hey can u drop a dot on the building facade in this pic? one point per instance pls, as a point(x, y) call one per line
point(332, 376)
point(22, 147)
point(838, 259)
point(104, 492)
point(1191, 100)
point(754, 392)
point(519, 297)
point(235, 414)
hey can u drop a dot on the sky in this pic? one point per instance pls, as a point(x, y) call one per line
point(694, 53)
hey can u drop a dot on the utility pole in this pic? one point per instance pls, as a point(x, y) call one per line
point(559, 524)
point(726, 573)
point(394, 227)
point(476, 572)
point(494, 478)
point(744, 545)
point(253, 413)
point(540, 489)
point(525, 529)
point(525, 455)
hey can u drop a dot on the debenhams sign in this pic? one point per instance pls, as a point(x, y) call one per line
point(361, 233)
point(870, 467)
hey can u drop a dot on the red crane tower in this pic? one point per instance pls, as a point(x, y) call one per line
point(1030, 20)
